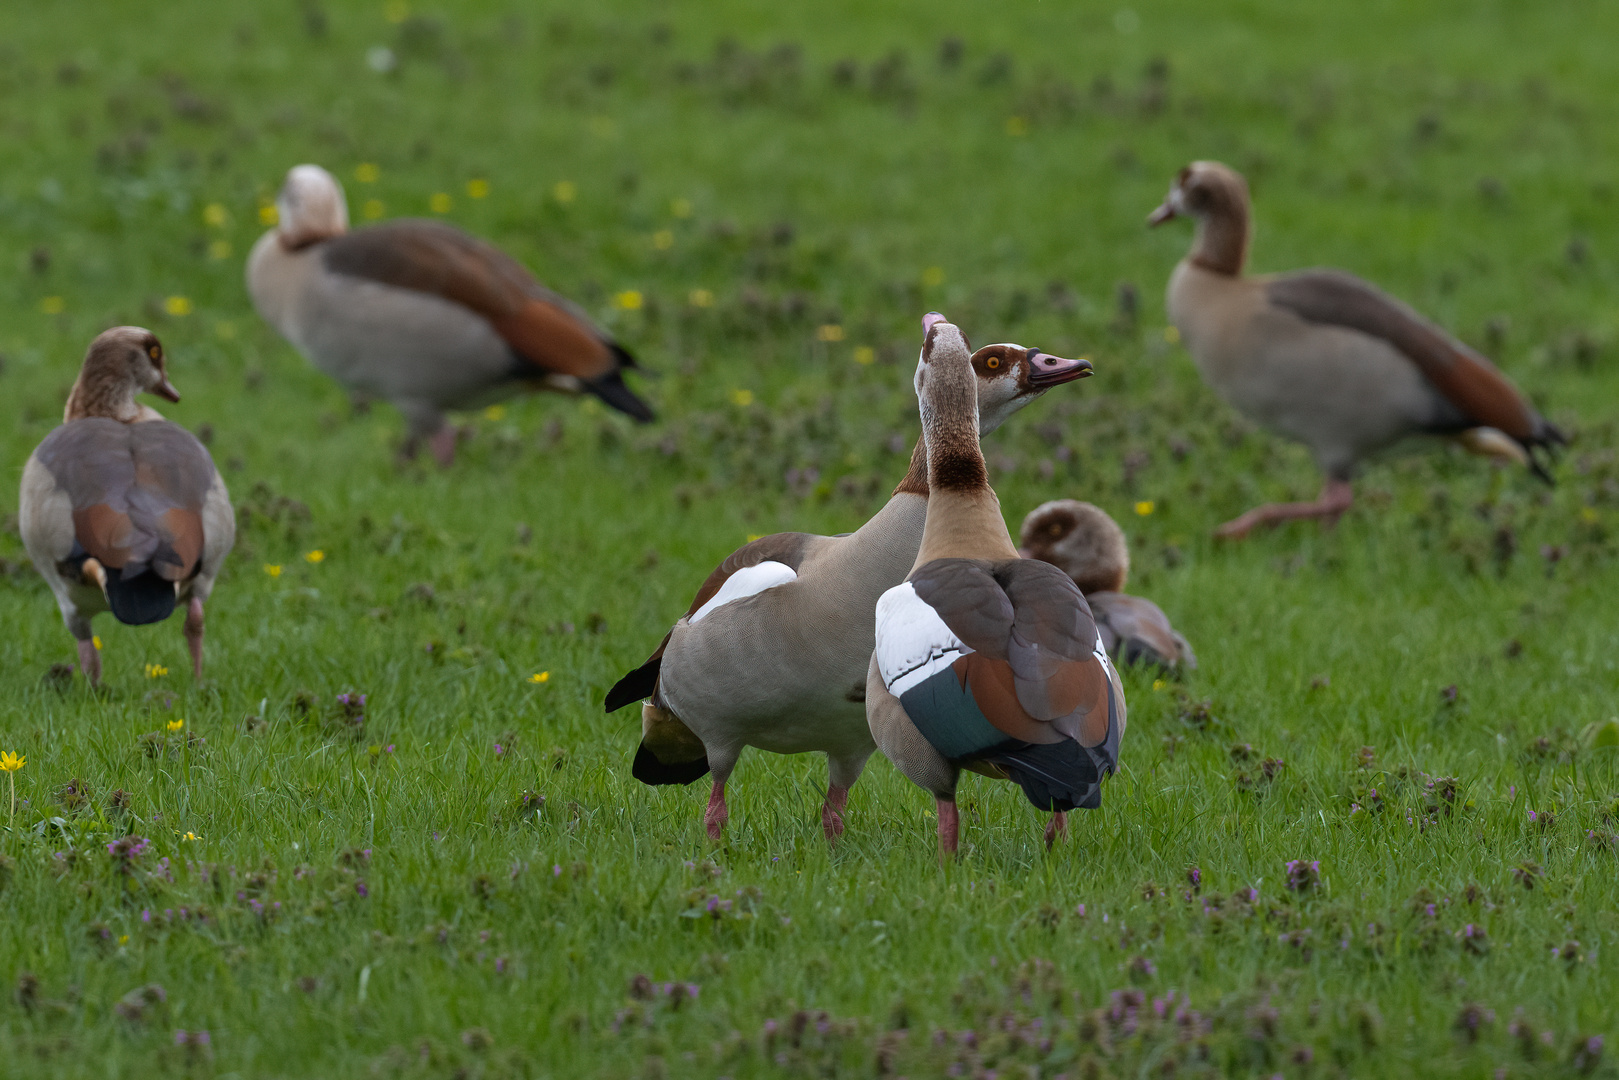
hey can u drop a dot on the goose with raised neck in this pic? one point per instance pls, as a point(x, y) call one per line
point(120, 509)
point(984, 660)
point(773, 650)
point(1326, 359)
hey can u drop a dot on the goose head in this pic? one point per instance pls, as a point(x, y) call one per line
point(121, 363)
point(1008, 376)
point(1204, 190)
point(1079, 539)
point(310, 207)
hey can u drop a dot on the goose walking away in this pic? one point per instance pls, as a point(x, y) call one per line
point(1325, 359)
point(985, 660)
point(772, 651)
point(421, 314)
point(1084, 542)
point(120, 509)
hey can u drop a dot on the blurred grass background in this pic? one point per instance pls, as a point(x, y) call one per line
point(761, 201)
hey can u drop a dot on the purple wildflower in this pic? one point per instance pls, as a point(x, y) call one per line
point(1303, 876)
point(1194, 877)
point(499, 750)
point(360, 887)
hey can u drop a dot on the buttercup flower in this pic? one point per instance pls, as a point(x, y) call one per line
point(629, 300)
point(315, 556)
point(540, 677)
point(477, 189)
point(273, 569)
point(175, 725)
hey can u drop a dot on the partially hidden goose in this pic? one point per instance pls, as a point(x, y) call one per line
point(772, 652)
point(1326, 359)
point(985, 660)
point(120, 509)
point(1082, 541)
point(421, 314)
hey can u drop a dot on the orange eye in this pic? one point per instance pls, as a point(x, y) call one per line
point(992, 363)
point(154, 352)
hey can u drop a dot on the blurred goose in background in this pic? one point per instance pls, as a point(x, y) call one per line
point(1082, 541)
point(1326, 359)
point(985, 660)
point(772, 652)
point(120, 509)
point(422, 314)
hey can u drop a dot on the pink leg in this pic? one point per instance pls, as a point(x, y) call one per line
point(90, 661)
point(717, 813)
point(1336, 497)
point(194, 635)
point(949, 827)
point(832, 812)
point(1057, 826)
point(443, 443)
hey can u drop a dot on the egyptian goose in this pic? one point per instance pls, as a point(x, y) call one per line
point(1326, 359)
point(985, 660)
point(1082, 541)
point(772, 652)
point(120, 509)
point(422, 314)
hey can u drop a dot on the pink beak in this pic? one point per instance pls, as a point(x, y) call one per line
point(932, 319)
point(166, 390)
point(1161, 215)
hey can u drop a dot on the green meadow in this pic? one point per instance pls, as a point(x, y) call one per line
point(252, 876)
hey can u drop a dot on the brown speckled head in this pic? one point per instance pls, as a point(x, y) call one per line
point(310, 207)
point(121, 363)
point(1216, 197)
point(1079, 539)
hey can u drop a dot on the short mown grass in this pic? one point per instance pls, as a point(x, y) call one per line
point(460, 878)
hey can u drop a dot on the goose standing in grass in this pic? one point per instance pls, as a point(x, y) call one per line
point(120, 509)
point(422, 314)
point(772, 652)
point(1082, 541)
point(985, 660)
point(1326, 359)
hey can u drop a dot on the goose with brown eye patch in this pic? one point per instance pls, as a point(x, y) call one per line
point(423, 315)
point(120, 509)
point(1328, 360)
point(772, 651)
point(983, 660)
point(1082, 541)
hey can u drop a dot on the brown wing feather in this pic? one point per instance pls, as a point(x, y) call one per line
point(137, 492)
point(1466, 379)
point(432, 257)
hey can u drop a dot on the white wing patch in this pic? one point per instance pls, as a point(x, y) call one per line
point(748, 581)
point(912, 641)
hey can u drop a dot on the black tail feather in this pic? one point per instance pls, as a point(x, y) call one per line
point(1054, 776)
point(141, 599)
point(611, 389)
point(636, 686)
point(654, 773)
point(622, 355)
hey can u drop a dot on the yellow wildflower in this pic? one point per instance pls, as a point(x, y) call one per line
point(1017, 125)
point(495, 413)
point(123, 939)
point(219, 249)
point(1159, 684)
point(755, 536)
point(53, 305)
point(95, 639)
point(216, 215)
point(829, 332)
point(268, 214)
point(865, 355)
point(373, 209)
point(175, 725)
point(156, 671)
point(680, 208)
point(932, 276)
point(367, 173)
point(540, 677)
point(396, 11)
point(273, 569)
point(742, 398)
point(11, 761)
point(1588, 514)
point(700, 298)
point(1172, 335)
point(663, 239)
point(315, 556)
point(440, 203)
point(191, 836)
point(564, 191)
point(178, 306)
point(1145, 507)
point(477, 189)
point(629, 300)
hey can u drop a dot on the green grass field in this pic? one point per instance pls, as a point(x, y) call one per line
point(462, 879)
